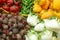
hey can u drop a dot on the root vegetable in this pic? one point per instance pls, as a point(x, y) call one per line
point(15, 30)
point(5, 26)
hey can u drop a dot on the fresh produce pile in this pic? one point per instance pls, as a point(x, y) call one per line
point(11, 5)
point(30, 20)
point(12, 27)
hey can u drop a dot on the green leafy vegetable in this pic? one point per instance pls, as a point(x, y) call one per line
point(26, 6)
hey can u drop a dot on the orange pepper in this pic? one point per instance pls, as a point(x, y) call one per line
point(46, 5)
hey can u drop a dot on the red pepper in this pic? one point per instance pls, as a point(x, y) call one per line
point(6, 7)
point(10, 2)
point(17, 3)
point(14, 9)
point(4, 1)
point(1, 2)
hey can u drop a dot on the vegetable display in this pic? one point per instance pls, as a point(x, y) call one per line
point(29, 19)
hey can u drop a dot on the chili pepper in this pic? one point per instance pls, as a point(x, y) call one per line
point(10, 2)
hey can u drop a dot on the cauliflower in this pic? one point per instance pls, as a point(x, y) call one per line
point(32, 20)
point(39, 27)
point(33, 37)
point(47, 35)
point(26, 37)
point(52, 24)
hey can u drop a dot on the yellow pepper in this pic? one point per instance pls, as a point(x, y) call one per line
point(37, 8)
point(42, 12)
point(47, 14)
point(57, 14)
point(42, 2)
point(56, 4)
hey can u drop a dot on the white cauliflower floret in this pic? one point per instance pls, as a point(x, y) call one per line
point(39, 27)
point(27, 38)
point(52, 24)
point(32, 20)
point(33, 37)
point(47, 35)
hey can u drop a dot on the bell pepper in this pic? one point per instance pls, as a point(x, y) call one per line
point(14, 8)
point(10, 2)
point(6, 7)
